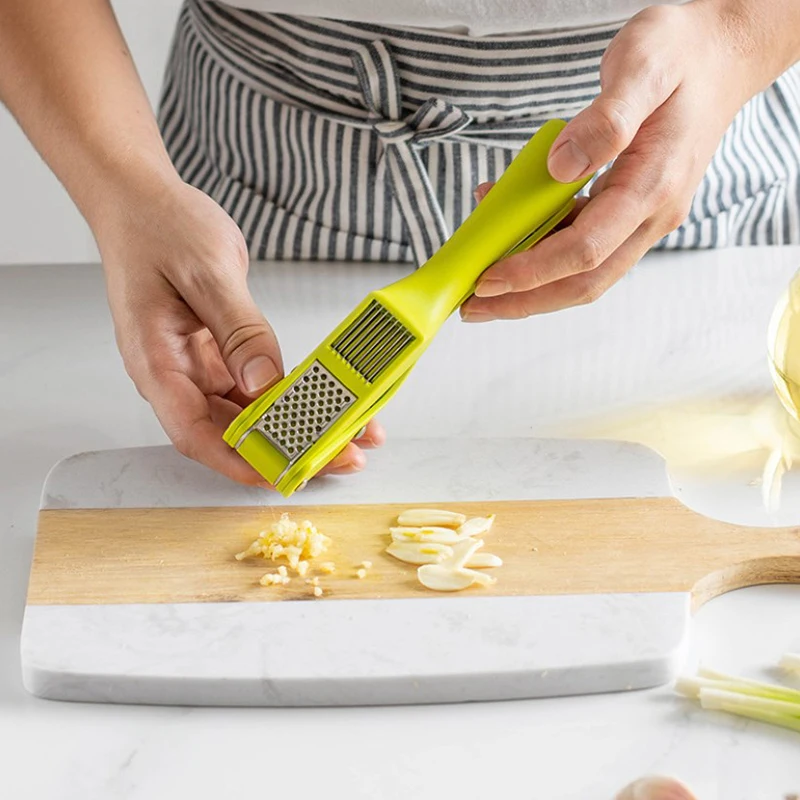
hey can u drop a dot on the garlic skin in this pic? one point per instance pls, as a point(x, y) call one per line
point(655, 788)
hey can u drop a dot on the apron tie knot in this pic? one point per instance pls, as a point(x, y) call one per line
point(401, 139)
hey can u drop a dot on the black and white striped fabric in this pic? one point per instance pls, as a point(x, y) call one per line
point(352, 141)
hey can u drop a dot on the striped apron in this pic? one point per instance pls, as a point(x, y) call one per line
point(349, 141)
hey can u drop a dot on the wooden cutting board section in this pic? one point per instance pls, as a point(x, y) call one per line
point(582, 546)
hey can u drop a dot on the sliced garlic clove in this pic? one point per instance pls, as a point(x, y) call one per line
point(418, 553)
point(444, 579)
point(425, 517)
point(480, 577)
point(482, 560)
point(426, 535)
point(477, 526)
point(462, 552)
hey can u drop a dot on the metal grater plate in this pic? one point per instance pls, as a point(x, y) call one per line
point(305, 411)
point(373, 341)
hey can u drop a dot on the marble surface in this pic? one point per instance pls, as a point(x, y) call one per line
point(678, 328)
point(408, 471)
point(360, 652)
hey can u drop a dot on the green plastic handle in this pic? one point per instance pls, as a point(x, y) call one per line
point(524, 205)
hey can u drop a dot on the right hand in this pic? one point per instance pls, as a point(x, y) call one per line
point(190, 334)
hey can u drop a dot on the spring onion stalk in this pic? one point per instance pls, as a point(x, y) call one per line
point(764, 702)
point(748, 685)
point(779, 720)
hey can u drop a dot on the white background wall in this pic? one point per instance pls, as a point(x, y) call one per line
point(38, 221)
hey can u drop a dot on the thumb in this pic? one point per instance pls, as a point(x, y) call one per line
point(655, 788)
point(245, 339)
point(636, 78)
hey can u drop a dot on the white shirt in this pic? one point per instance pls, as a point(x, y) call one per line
point(474, 17)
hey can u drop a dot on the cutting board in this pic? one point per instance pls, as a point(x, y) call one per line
point(135, 595)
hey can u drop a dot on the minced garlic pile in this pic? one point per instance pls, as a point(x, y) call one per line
point(296, 543)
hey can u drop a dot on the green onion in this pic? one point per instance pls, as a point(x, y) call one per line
point(716, 691)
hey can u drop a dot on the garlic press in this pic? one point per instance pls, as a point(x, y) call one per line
point(301, 423)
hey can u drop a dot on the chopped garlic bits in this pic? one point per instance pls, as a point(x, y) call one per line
point(295, 543)
point(288, 540)
point(443, 546)
point(274, 579)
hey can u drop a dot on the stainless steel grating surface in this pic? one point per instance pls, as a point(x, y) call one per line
point(373, 341)
point(305, 411)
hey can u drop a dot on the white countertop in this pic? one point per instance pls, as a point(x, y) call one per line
point(679, 327)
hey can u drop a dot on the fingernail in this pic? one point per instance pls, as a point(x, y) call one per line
point(361, 432)
point(492, 287)
point(568, 162)
point(264, 485)
point(477, 316)
point(258, 374)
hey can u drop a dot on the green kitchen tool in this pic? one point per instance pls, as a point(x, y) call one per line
point(294, 429)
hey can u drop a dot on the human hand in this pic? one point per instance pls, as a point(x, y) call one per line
point(190, 334)
point(655, 788)
point(672, 81)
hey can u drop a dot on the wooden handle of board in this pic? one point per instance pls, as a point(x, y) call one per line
point(180, 555)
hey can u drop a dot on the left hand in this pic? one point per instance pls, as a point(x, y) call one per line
point(672, 81)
